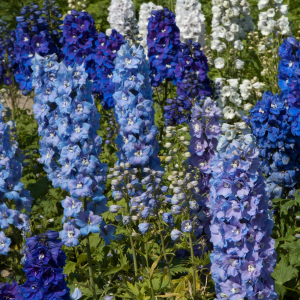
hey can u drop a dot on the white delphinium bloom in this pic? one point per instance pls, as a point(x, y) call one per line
point(229, 113)
point(219, 63)
point(239, 64)
point(190, 21)
point(145, 14)
point(274, 18)
point(119, 10)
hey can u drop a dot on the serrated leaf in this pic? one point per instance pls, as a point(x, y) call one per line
point(156, 283)
point(81, 258)
point(133, 289)
point(94, 240)
point(283, 272)
point(70, 267)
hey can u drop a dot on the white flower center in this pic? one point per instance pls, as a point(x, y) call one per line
point(130, 122)
point(79, 185)
point(77, 129)
point(139, 153)
point(251, 268)
point(235, 290)
point(70, 233)
point(127, 61)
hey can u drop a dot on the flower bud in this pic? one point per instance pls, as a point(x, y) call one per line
point(187, 154)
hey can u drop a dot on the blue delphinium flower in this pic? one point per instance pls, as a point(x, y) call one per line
point(34, 35)
point(44, 268)
point(83, 45)
point(277, 145)
point(244, 253)
point(15, 199)
point(163, 45)
point(10, 291)
point(193, 85)
point(8, 64)
point(134, 109)
point(70, 147)
point(205, 128)
point(4, 243)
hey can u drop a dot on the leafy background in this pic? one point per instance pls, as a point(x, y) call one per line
point(112, 263)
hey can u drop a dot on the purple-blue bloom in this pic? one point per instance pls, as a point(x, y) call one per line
point(244, 253)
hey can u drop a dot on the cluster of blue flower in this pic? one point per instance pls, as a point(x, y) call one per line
point(274, 123)
point(193, 85)
point(244, 253)
point(82, 44)
point(8, 65)
point(10, 291)
point(44, 268)
point(163, 41)
point(204, 131)
point(44, 262)
point(68, 122)
point(134, 109)
point(33, 36)
point(12, 191)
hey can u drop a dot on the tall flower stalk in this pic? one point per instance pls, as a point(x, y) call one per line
point(70, 148)
point(15, 200)
point(244, 253)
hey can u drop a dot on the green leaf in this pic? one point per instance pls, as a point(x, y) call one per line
point(70, 267)
point(112, 270)
point(81, 258)
point(153, 267)
point(133, 289)
point(156, 283)
point(283, 273)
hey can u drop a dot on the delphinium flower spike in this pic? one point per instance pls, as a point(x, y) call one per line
point(163, 45)
point(244, 252)
point(230, 23)
point(15, 200)
point(274, 122)
point(44, 268)
point(274, 19)
point(83, 45)
point(8, 64)
point(70, 148)
point(33, 36)
point(190, 21)
point(119, 11)
point(134, 109)
point(193, 85)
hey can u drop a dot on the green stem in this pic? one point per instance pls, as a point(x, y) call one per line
point(292, 289)
point(193, 261)
point(134, 255)
point(91, 275)
point(89, 257)
point(147, 262)
point(165, 255)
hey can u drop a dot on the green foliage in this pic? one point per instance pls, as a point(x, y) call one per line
point(286, 273)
